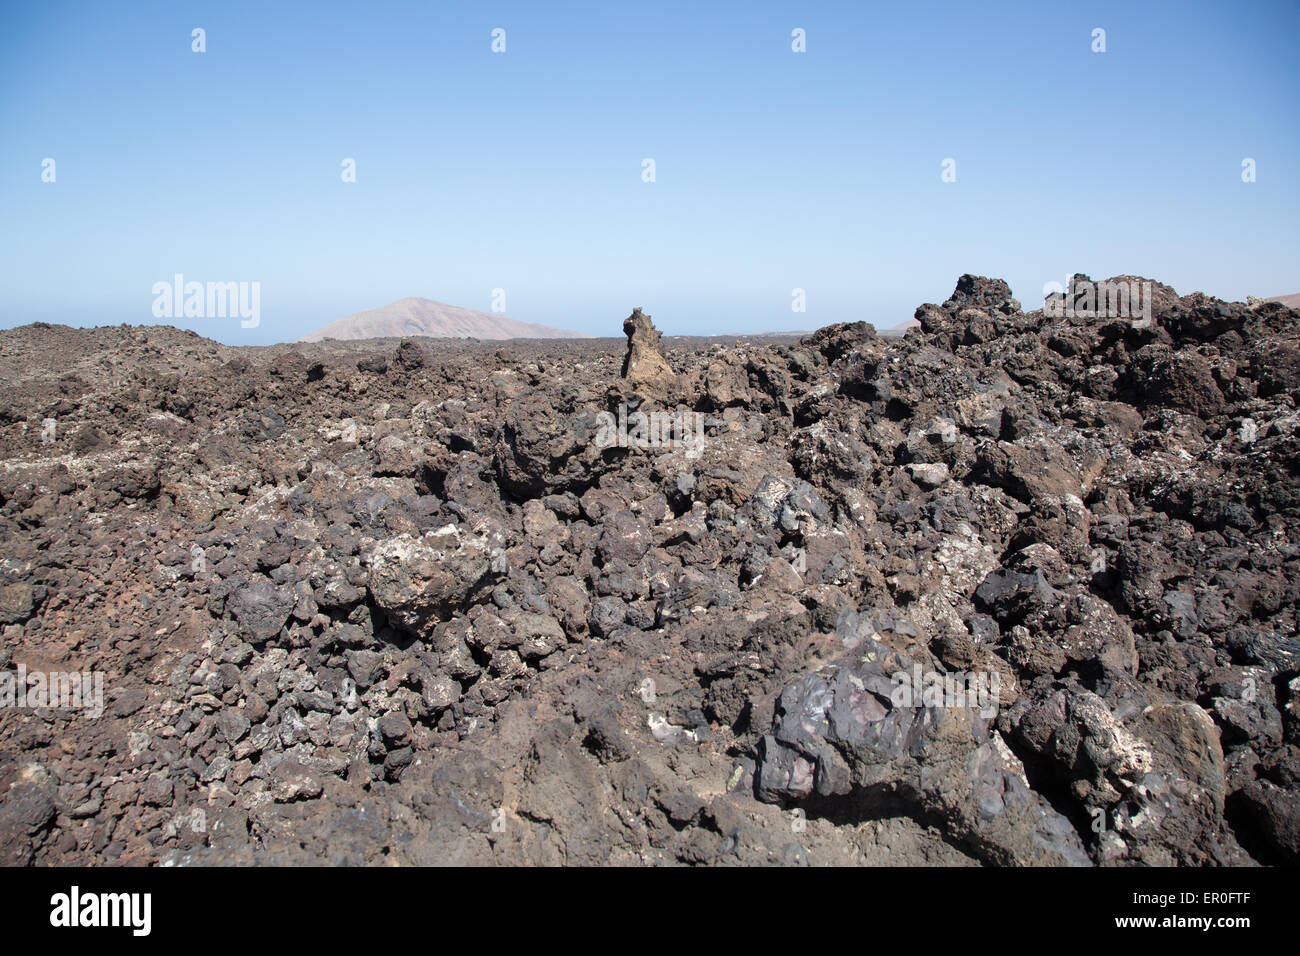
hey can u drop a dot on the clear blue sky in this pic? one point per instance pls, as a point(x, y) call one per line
point(522, 170)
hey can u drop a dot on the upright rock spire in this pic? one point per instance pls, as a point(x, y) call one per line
point(644, 368)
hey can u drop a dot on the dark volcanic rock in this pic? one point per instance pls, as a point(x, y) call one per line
point(261, 608)
point(420, 602)
point(843, 736)
point(644, 367)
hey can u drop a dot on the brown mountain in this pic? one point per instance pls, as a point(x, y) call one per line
point(416, 316)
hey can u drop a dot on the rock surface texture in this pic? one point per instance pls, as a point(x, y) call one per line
point(644, 367)
point(1016, 588)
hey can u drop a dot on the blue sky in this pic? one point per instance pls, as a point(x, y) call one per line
point(522, 170)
